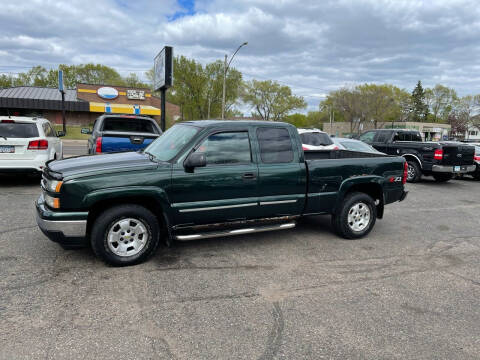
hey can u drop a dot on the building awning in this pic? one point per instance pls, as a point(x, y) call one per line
point(123, 109)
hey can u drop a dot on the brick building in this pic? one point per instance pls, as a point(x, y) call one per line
point(84, 104)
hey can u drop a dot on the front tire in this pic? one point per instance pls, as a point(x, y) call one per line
point(356, 217)
point(125, 235)
point(442, 177)
point(414, 173)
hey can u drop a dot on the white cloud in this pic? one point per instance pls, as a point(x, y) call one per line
point(313, 46)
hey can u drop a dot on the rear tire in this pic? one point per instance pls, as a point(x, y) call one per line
point(442, 177)
point(125, 235)
point(356, 216)
point(414, 172)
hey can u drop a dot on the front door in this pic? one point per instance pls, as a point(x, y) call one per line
point(225, 189)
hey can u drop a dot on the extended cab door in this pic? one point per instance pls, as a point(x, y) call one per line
point(282, 172)
point(225, 189)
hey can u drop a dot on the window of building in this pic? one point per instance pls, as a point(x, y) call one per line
point(275, 145)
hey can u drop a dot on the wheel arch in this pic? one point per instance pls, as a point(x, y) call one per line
point(153, 200)
point(414, 158)
point(371, 186)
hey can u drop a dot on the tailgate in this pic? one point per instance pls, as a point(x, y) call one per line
point(119, 141)
point(457, 154)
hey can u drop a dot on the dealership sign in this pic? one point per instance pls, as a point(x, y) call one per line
point(107, 92)
point(135, 94)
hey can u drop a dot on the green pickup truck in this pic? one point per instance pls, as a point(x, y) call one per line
point(204, 179)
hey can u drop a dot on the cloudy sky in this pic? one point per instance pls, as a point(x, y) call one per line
point(312, 46)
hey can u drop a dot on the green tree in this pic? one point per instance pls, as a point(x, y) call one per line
point(197, 89)
point(297, 119)
point(270, 100)
point(132, 80)
point(440, 100)
point(420, 108)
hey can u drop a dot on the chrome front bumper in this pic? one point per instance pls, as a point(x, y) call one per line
point(451, 169)
point(71, 228)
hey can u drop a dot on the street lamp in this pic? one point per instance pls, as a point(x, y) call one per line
point(225, 69)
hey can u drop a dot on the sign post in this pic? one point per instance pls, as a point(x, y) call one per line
point(62, 91)
point(163, 77)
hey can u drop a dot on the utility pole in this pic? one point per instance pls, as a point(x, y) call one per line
point(225, 69)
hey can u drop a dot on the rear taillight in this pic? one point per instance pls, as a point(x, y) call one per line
point(438, 154)
point(336, 148)
point(304, 148)
point(476, 158)
point(38, 145)
point(7, 121)
point(98, 148)
point(405, 173)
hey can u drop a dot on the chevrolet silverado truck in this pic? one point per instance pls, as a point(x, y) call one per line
point(204, 179)
point(116, 133)
point(441, 160)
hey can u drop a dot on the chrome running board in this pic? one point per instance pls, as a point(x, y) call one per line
point(249, 230)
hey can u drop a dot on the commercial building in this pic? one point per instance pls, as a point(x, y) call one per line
point(84, 104)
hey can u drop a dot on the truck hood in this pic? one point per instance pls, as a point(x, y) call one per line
point(113, 162)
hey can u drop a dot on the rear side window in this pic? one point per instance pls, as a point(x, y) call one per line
point(129, 125)
point(18, 130)
point(400, 137)
point(275, 145)
point(416, 137)
point(316, 139)
point(227, 148)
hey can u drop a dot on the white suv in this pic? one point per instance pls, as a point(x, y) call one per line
point(314, 139)
point(27, 143)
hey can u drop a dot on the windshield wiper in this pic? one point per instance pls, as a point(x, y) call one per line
point(4, 137)
point(151, 156)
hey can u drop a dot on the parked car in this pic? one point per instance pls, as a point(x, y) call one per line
point(116, 133)
point(438, 159)
point(476, 173)
point(354, 145)
point(205, 179)
point(27, 143)
point(314, 139)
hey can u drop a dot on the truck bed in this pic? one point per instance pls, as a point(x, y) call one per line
point(339, 154)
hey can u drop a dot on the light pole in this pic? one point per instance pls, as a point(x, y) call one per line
point(225, 69)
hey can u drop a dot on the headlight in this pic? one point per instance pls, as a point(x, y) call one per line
point(54, 203)
point(54, 185)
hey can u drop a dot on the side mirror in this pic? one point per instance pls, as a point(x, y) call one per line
point(86, 131)
point(194, 160)
point(60, 133)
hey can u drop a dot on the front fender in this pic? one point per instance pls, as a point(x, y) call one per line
point(152, 192)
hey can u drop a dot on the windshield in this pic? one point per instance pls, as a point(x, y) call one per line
point(357, 146)
point(167, 146)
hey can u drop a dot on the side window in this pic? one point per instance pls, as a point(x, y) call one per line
point(383, 136)
point(399, 136)
point(227, 148)
point(275, 145)
point(416, 137)
point(52, 132)
point(47, 130)
point(368, 137)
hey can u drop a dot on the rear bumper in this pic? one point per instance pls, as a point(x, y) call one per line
point(403, 196)
point(451, 169)
point(59, 228)
point(20, 165)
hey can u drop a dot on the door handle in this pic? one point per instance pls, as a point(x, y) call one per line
point(249, 176)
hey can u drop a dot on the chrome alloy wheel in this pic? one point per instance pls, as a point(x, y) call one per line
point(359, 217)
point(127, 237)
point(410, 172)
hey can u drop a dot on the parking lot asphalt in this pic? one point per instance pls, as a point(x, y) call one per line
point(410, 290)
